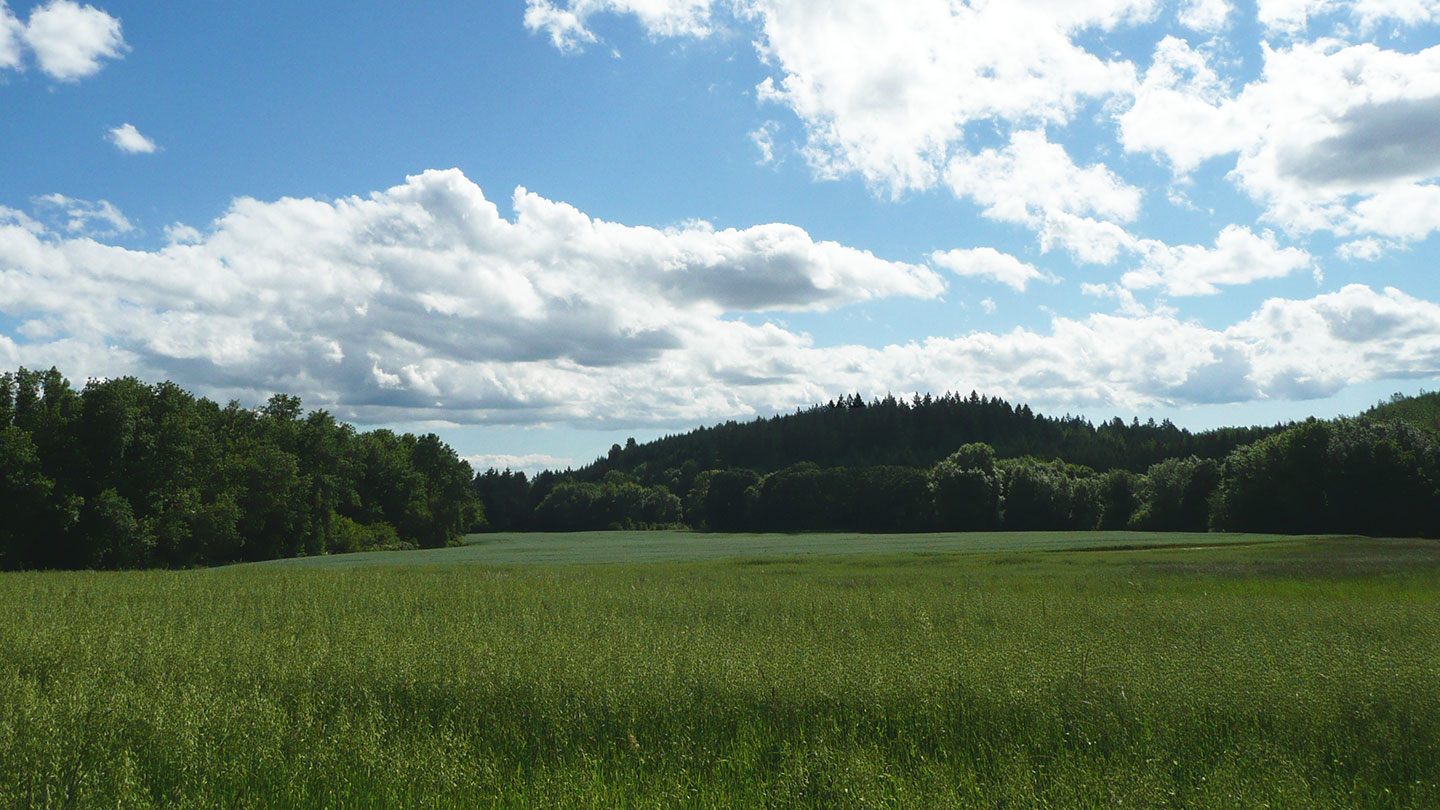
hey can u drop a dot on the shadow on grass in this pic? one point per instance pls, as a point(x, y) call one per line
point(1312, 558)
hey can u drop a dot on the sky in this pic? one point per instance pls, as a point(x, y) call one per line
point(538, 227)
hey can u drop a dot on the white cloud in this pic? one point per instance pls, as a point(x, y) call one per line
point(1032, 179)
point(178, 233)
point(764, 139)
point(528, 463)
point(565, 20)
point(1330, 138)
point(423, 294)
point(70, 40)
point(1034, 182)
point(988, 304)
point(1314, 348)
point(422, 302)
point(1340, 126)
point(1405, 211)
point(1238, 257)
point(128, 139)
point(1138, 360)
point(11, 34)
point(1179, 110)
point(1365, 250)
point(991, 264)
point(83, 217)
point(1207, 16)
point(1088, 240)
point(1289, 16)
point(896, 93)
point(1292, 16)
point(886, 90)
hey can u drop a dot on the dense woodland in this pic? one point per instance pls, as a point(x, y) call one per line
point(125, 474)
point(918, 432)
point(975, 463)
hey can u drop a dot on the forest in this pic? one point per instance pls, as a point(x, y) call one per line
point(124, 474)
point(127, 474)
point(974, 463)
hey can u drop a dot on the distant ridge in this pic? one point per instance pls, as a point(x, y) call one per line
point(1421, 410)
point(917, 433)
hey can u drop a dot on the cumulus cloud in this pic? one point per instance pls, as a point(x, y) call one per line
point(1292, 349)
point(422, 302)
point(886, 91)
point(566, 21)
point(128, 139)
point(1365, 250)
point(1316, 347)
point(529, 462)
point(422, 296)
point(1034, 182)
point(1179, 110)
point(70, 41)
point(1336, 131)
point(83, 216)
point(1331, 137)
point(11, 37)
point(989, 263)
point(1207, 16)
point(1290, 17)
point(1238, 257)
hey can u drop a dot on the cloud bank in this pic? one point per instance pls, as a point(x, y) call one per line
point(423, 302)
point(1336, 135)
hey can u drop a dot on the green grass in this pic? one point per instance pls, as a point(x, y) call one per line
point(672, 546)
point(1286, 674)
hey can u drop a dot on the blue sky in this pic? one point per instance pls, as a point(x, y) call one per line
point(539, 227)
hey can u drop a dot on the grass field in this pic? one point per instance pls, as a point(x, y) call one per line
point(672, 546)
point(1281, 673)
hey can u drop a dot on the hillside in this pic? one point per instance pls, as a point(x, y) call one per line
point(1421, 410)
point(917, 433)
point(979, 464)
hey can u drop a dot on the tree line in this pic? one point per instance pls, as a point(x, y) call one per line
point(124, 474)
point(917, 432)
point(1370, 475)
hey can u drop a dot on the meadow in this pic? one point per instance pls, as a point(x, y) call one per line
point(1027, 671)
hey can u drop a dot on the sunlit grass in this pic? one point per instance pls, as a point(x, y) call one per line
point(1289, 674)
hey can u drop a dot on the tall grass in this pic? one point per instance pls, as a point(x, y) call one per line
point(1284, 676)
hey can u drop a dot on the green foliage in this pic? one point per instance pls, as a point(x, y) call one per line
point(724, 499)
point(1286, 676)
point(1118, 499)
point(966, 490)
point(1350, 475)
point(919, 432)
point(1174, 495)
point(1046, 495)
point(852, 465)
point(1421, 411)
point(505, 498)
point(615, 503)
point(353, 537)
point(124, 475)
